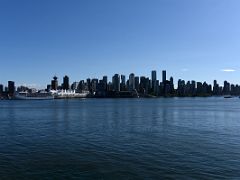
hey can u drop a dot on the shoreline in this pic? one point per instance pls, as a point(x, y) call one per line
point(152, 97)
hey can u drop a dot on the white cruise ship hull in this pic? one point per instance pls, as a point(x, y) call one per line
point(20, 97)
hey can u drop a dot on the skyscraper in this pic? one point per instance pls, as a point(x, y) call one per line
point(65, 83)
point(1, 89)
point(215, 88)
point(54, 83)
point(123, 80)
point(226, 88)
point(94, 84)
point(116, 82)
point(123, 83)
point(154, 75)
point(171, 84)
point(131, 82)
point(164, 76)
point(154, 79)
point(74, 85)
point(11, 88)
point(136, 79)
point(105, 83)
point(105, 79)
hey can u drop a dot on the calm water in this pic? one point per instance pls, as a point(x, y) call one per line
point(188, 138)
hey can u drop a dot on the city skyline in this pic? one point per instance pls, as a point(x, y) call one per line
point(121, 87)
point(197, 39)
point(158, 75)
point(120, 84)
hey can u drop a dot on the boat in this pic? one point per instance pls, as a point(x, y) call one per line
point(33, 96)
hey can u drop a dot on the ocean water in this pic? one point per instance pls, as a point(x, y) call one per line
point(172, 138)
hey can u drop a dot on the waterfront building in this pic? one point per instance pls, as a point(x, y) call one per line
point(181, 87)
point(205, 88)
point(116, 82)
point(154, 79)
point(11, 88)
point(167, 90)
point(109, 87)
point(105, 79)
point(74, 85)
point(154, 75)
point(123, 83)
point(82, 86)
point(54, 83)
point(65, 85)
point(209, 89)
point(137, 83)
point(199, 88)
point(188, 89)
point(215, 88)
point(156, 88)
point(193, 88)
point(161, 89)
point(131, 82)
point(144, 85)
point(1, 90)
point(235, 90)
point(164, 76)
point(89, 84)
point(48, 88)
point(123, 79)
point(226, 88)
point(94, 84)
point(101, 89)
point(171, 85)
point(105, 82)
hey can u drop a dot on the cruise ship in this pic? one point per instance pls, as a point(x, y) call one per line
point(34, 96)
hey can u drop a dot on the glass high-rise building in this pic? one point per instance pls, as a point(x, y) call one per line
point(11, 88)
point(154, 79)
point(54, 83)
point(154, 76)
point(137, 83)
point(131, 82)
point(65, 83)
point(1, 89)
point(105, 79)
point(164, 76)
point(116, 82)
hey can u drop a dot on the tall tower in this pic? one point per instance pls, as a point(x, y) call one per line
point(154, 80)
point(1, 89)
point(137, 83)
point(116, 82)
point(171, 84)
point(164, 76)
point(123, 83)
point(123, 80)
point(54, 83)
point(11, 88)
point(131, 82)
point(65, 83)
point(105, 79)
point(154, 76)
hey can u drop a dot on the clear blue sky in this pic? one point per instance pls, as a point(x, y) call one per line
point(191, 39)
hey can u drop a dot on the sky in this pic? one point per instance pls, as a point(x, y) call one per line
point(191, 39)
